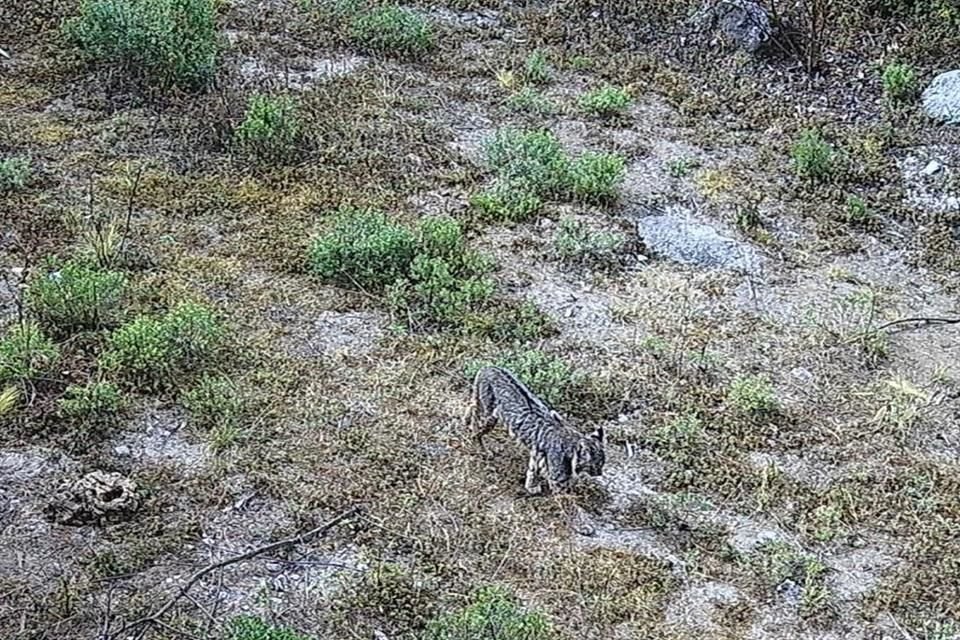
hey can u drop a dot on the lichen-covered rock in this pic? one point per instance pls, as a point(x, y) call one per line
point(97, 496)
point(742, 23)
point(941, 100)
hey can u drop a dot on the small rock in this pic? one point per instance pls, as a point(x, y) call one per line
point(743, 23)
point(122, 450)
point(941, 99)
point(932, 167)
point(802, 374)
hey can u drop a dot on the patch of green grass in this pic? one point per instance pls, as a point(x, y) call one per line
point(492, 613)
point(507, 201)
point(752, 394)
point(14, 174)
point(154, 351)
point(680, 440)
point(393, 30)
point(813, 157)
point(681, 167)
point(248, 627)
point(856, 211)
point(530, 100)
point(26, 354)
point(536, 68)
point(388, 597)
point(270, 127)
point(777, 562)
point(547, 375)
point(213, 401)
point(899, 82)
point(75, 295)
point(576, 243)
point(581, 63)
point(169, 42)
point(606, 101)
point(533, 157)
point(93, 402)
point(596, 176)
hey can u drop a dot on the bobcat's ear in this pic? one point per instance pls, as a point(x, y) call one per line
point(598, 434)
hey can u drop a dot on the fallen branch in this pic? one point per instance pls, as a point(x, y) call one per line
point(922, 320)
point(154, 618)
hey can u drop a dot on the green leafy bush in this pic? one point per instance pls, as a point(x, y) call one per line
point(270, 127)
point(14, 174)
point(548, 376)
point(574, 242)
point(596, 176)
point(76, 296)
point(213, 401)
point(170, 42)
point(153, 350)
point(899, 82)
point(392, 29)
point(492, 614)
point(536, 68)
point(534, 157)
point(507, 201)
point(857, 211)
point(530, 100)
point(26, 354)
point(605, 101)
point(364, 248)
point(752, 394)
point(813, 157)
point(255, 628)
point(91, 402)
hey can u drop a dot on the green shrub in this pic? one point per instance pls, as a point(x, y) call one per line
point(813, 157)
point(535, 158)
point(14, 174)
point(392, 29)
point(548, 376)
point(154, 350)
point(530, 100)
point(507, 201)
point(213, 401)
point(94, 401)
point(857, 211)
point(270, 127)
point(681, 167)
point(248, 627)
point(899, 82)
point(596, 176)
point(170, 42)
point(26, 354)
point(76, 296)
point(510, 322)
point(752, 394)
point(574, 242)
point(536, 69)
point(491, 614)
point(605, 101)
point(364, 248)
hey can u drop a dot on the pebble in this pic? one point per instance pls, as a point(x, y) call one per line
point(122, 450)
point(932, 167)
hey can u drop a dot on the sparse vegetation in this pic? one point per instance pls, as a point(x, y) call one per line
point(681, 167)
point(491, 614)
point(752, 394)
point(168, 42)
point(26, 354)
point(575, 242)
point(813, 157)
point(856, 211)
point(545, 374)
point(254, 628)
point(606, 101)
point(899, 82)
point(93, 402)
point(507, 201)
point(394, 30)
point(14, 174)
point(531, 100)
point(536, 68)
point(74, 295)
point(270, 127)
point(596, 176)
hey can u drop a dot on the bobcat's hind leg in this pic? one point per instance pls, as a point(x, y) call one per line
point(532, 482)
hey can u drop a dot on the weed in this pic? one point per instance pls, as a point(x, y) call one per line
point(492, 613)
point(901, 404)
point(581, 63)
point(548, 376)
point(14, 174)
point(534, 157)
point(249, 627)
point(170, 42)
point(574, 242)
point(747, 218)
point(596, 176)
point(507, 201)
point(681, 167)
point(606, 101)
point(530, 100)
point(856, 211)
point(75, 295)
point(26, 354)
point(510, 322)
point(536, 69)
point(899, 82)
point(213, 401)
point(94, 401)
point(752, 394)
point(507, 79)
point(364, 248)
point(394, 30)
point(813, 157)
point(270, 127)
point(387, 597)
point(779, 563)
point(154, 350)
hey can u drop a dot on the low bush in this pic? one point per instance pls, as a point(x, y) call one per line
point(14, 174)
point(76, 295)
point(492, 613)
point(270, 127)
point(26, 354)
point(606, 101)
point(394, 30)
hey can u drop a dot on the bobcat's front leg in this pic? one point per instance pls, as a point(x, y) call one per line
point(532, 483)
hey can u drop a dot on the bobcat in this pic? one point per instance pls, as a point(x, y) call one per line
point(558, 453)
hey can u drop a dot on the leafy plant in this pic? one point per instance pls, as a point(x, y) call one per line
point(270, 127)
point(605, 101)
point(393, 29)
point(507, 200)
point(170, 42)
point(536, 69)
point(492, 613)
point(534, 157)
point(9, 397)
point(530, 100)
point(596, 176)
point(26, 354)
point(813, 157)
point(752, 394)
point(857, 211)
point(76, 295)
point(574, 242)
point(91, 402)
point(899, 82)
point(248, 627)
point(213, 401)
point(681, 167)
point(548, 376)
point(14, 174)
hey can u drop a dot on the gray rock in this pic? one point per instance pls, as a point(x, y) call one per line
point(932, 167)
point(941, 100)
point(742, 23)
point(678, 237)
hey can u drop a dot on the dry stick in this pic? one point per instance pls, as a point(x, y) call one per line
point(918, 319)
point(154, 618)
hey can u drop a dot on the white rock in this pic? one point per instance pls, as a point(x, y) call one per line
point(941, 99)
point(932, 167)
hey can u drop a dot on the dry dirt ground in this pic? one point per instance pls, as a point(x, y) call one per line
point(834, 515)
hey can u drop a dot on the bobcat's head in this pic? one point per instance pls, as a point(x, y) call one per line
point(590, 455)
